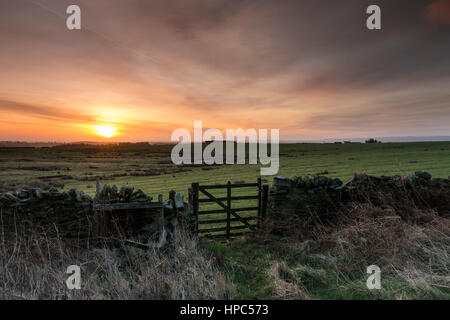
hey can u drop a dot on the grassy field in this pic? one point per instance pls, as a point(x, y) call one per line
point(148, 167)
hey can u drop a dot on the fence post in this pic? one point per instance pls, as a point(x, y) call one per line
point(265, 197)
point(195, 204)
point(97, 190)
point(190, 196)
point(98, 213)
point(174, 205)
point(228, 208)
point(259, 202)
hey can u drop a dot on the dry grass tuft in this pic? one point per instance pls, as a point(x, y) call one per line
point(285, 282)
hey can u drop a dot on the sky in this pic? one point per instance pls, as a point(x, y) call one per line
point(147, 67)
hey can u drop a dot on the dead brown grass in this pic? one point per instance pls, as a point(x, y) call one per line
point(286, 282)
point(407, 241)
point(34, 268)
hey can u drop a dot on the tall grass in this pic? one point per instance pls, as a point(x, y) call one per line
point(33, 267)
point(410, 244)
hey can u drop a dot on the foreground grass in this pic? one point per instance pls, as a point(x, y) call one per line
point(262, 273)
point(279, 268)
point(292, 258)
point(35, 268)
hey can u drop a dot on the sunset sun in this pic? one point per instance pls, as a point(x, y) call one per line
point(105, 131)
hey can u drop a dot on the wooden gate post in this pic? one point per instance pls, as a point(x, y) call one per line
point(195, 190)
point(228, 209)
point(265, 197)
point(259, 202)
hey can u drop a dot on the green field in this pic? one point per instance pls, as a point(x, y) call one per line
point(148, 167)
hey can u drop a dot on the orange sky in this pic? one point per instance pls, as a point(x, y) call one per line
point(149, 67)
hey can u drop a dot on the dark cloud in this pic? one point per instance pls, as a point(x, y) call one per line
point(439, 11)
point(188, 17)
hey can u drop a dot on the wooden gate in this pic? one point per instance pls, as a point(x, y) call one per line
point(233, 216)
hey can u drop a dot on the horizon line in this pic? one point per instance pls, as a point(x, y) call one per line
point(284, 141)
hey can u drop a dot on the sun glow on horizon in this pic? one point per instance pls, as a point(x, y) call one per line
point(105, 131)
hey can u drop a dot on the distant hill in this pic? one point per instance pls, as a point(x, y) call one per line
point(382, 139)
point(413, 139)
point(22, 144)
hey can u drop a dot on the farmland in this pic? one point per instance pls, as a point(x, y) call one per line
point(149, 167)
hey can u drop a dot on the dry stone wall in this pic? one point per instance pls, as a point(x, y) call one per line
point(36, 210)
point(76, 214)
point(321, 197)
